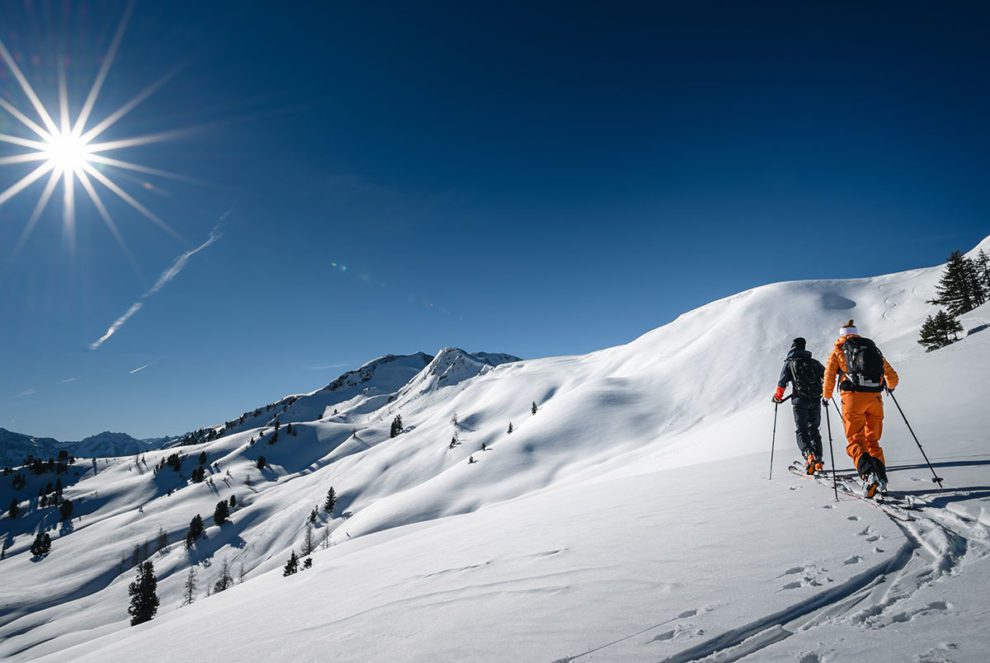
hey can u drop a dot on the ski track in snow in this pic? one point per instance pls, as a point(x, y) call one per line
point(936, 543)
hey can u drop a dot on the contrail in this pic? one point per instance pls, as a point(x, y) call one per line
point(164, 279)
point(117, 324)
point(141, 368)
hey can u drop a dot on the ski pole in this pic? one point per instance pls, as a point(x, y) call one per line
point(935, 478)
point(831, 451)
point(773, 438)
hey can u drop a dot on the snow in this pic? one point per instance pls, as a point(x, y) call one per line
point(629, 519)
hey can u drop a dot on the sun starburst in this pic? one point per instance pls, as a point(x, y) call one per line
point(68, 151)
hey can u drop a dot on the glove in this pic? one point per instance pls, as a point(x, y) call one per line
point(888, 390)
point(825, 402)
point(776, 400)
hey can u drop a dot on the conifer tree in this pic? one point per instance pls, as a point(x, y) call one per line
point(42, 544)
point(292, 565)
point(308, 563)
point(225, 580)
point(202, 458)
point(189, 592)
point(396, 428)
point(312, 516)
point(307, 548)
point(233, 500)
point(195, 530)
point(331, 501)
point(534, 408)
point(221, 513)
point(982, 264)
point(65, 510)
point(939, 331)
point(509, 432)
point(14, 509)
point(262, 462)
point(959, 290)
point(161, 541)
point(144, 595)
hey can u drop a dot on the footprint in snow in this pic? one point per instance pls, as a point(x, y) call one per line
point(939, 654)
point(677, 633)
point(855, 559)
point(853, 518)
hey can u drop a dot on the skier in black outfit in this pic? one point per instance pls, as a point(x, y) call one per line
point(805, 373)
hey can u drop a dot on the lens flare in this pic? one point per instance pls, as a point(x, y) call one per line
point(68, 150)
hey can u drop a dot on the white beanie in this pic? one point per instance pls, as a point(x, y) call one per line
point(848, 329)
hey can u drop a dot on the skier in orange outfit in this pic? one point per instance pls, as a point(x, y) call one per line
point(863, 374)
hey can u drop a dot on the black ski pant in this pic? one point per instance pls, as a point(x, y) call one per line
point(808, 421)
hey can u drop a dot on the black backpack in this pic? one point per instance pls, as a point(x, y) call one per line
point(864, 364)
point(807, 376)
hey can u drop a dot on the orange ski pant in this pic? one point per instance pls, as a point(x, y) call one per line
point(862, 415)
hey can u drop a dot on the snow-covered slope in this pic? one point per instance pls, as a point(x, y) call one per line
point(629, 518)
point(364, 388)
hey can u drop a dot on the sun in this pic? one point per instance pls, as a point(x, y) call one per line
point(68, 152)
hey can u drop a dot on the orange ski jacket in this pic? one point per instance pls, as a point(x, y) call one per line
point(836, 366)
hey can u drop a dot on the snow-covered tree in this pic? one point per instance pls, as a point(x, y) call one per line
point(331, 501)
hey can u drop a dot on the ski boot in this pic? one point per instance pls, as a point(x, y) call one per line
point(810, 463)
point(870, 485)
point(881, 473)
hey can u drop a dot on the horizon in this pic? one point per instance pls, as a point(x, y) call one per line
point(504, 179)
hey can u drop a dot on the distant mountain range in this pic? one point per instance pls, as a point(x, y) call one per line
point(15, 447)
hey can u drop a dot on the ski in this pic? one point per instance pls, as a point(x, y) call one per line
point(889, 505)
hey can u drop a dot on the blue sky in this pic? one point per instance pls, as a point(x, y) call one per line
point(531, 178)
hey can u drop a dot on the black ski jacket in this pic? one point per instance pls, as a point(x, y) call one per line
point(786, 377)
